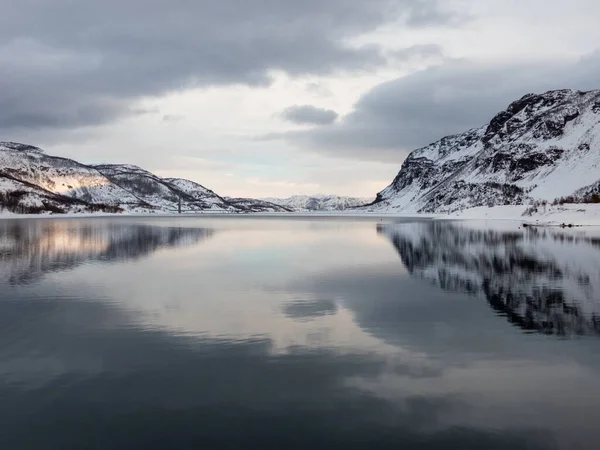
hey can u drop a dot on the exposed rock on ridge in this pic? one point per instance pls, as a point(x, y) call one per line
point(540, 148)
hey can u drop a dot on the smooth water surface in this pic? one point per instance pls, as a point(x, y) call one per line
point(190, 333)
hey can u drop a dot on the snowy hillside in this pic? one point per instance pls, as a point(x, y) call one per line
point(33, 182)
point(254, 205)
point(60, 176)
point(202, 196)
point(160, 194)
point(319, 202)
point(541, 147)
point(25, 198)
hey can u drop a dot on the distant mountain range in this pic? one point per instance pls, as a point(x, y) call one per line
point(320, 202)
point(541, 148)
point(33, 182)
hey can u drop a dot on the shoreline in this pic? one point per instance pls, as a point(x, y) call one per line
point(584, 214)
point(577, 214)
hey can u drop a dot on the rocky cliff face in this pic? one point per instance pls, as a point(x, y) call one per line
point(540, 148)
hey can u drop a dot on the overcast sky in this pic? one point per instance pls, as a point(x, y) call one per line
point(278, 97)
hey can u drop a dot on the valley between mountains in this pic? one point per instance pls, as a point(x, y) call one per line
point(541, 153)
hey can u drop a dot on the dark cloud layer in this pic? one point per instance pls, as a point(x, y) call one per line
point(403, 114)
point(309, 115)
point(69, 63)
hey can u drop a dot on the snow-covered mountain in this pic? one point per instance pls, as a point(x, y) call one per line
point(199, 194)
point(256, 205)
point(164, 194)
point(319, 202)
point(51, 179)
point(541, 280)
point(32, 182)
point(541, 147)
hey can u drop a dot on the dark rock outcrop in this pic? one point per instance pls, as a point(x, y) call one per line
point(540, 148)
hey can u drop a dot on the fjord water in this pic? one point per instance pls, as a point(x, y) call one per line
point(240, 332)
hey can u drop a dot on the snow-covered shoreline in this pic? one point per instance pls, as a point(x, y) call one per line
point(587, 214)
point(577, 214)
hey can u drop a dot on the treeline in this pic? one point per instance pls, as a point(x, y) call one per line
point(13, 202)
point(592, 198)
point(543, 204)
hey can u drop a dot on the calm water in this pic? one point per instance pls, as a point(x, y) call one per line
point(287, 333)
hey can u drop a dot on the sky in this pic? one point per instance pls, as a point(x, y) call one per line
point(272, 98)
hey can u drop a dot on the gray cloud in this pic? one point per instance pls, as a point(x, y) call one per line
point(68, 64)
point(309, 115)
point(417, 51)
point(401, 115)
point(318, 89)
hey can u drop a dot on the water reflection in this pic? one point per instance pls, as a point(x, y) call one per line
point(29, 249)
point(308, 310)
point(133, 388)
point(136, 389)
point(541, 280)
point(284, 334)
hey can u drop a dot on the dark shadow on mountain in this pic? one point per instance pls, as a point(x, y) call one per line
point(540, 280)
point(31, 249)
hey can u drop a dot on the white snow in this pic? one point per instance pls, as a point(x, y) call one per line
point(550, 148)
point(319, 202)
point(61, 176)
point(577, 214)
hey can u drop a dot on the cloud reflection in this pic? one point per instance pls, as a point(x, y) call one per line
point(129, 387)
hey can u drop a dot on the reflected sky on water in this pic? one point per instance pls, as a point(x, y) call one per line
point(230, 332)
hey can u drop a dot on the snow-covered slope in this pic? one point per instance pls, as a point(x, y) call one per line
point(198, 193)
point(540, 279)
point(60, 176)
point(34, 182)
point(540, 148)
point(162, 194)
point(254, 205)
point(21, 197)
point(319, 202)
point(210, 201)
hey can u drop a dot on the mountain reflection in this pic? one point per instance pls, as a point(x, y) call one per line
point(541, 280)
point(30, 249)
